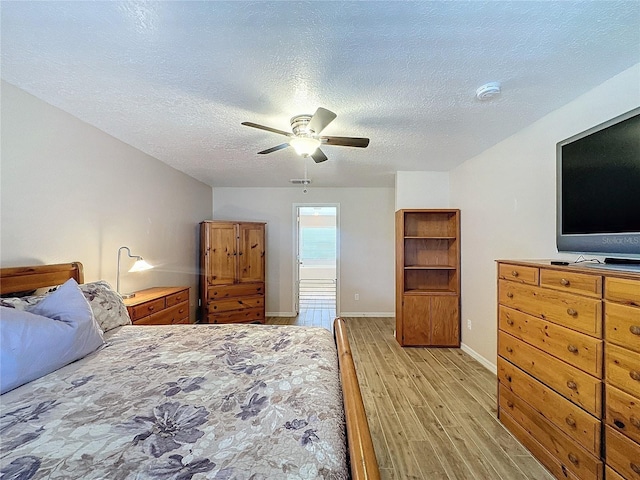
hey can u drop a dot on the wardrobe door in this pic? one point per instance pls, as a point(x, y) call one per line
point(220, 253)
point(251, 245)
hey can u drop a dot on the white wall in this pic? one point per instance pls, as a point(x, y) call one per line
point(422, 190)
point(507, 198)
point(70, 192)
point(366, 236)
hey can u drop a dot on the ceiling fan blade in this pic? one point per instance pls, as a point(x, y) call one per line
point(268, 129)
point(320, 120)
point(319, 156)
point(346, 141)
point(274, 149)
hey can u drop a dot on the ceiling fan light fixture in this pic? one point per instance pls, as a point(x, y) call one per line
point(304, 146)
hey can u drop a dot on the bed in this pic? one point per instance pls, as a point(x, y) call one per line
point(187, 401)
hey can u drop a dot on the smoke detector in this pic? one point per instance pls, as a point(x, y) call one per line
point(488, 91)
point(301, 181)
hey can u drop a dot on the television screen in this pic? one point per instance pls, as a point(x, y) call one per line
point(599, 188)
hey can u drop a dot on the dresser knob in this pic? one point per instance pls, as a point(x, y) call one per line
point(509, 349)
point(635, 467)
point(635, 422)
point(573, 459)
point(509, 294)
point(509, 404)
point(509, 321)
point(565, 282)
point(635, 329)
point(635, 375)
point(515, 273)
point(150, 308)
point(572, 312)
point(572, 348)
point(570, 421)
point(508, 378)
point(572, 385)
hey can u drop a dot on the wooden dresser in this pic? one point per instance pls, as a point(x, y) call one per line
point(232, 272)
point(556, 360)
point(159, 306)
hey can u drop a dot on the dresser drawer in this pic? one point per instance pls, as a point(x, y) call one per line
point(571, 282)
point(172, 315)
point(237, 316)
point(222, 292)
point(570, 382)
point(555, 466)
point(623, 412)
point(230, 304)
point(575, 348)
point(623, 454)
point(569, 310)
point(575, 458)
point(518, 273)
point(623, 369)
point(622, 290)
point(622, 325)
point(571, 419)
point(147, 308)
point(178, 297)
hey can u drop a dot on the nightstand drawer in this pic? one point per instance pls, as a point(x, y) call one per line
point(176, 298)
point(572, 282)
point(518, 273)
point(147, 308)
point(169, 316)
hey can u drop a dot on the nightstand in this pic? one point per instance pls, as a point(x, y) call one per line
point(159, 306)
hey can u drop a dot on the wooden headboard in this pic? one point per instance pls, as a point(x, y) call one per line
point(24, 279)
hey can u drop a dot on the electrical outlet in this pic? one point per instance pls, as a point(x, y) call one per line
point(356, 296)
point(469, 323)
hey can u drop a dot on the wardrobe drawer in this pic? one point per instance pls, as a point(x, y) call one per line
point(518, 273)
point(575, 348)
point(239, 290)
point(235, 304)
point(147, 308)
point(623, 369)
point(611, 474)
point(573, 311)
point(177, 298)
point(623, 412)
point(248, 315)
point(575, 458)
point(570, 382)
point(571, 419)
point(622, 290)
point(622, 325)
point(623, 454)
point(571, 282)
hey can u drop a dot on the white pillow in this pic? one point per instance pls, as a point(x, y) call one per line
point(55, 332)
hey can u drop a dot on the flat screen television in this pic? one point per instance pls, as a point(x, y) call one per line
point(598, 189)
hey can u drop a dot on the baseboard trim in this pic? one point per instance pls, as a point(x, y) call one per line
point(281, 314)
point(368, 314)
point(476, 356)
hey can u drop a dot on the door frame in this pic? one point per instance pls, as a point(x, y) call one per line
point(296, 246)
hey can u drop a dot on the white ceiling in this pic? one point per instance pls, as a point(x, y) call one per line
point(176, 79)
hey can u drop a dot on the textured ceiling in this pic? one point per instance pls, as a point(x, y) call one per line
point(176, 79)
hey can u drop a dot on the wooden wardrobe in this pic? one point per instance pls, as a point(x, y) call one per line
point(232, 272)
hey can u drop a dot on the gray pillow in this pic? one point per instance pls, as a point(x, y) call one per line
point(57, 331)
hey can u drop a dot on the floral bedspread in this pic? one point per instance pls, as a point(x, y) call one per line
point(180, 402)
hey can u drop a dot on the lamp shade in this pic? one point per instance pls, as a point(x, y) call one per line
point(304, 145)
point(139, 266)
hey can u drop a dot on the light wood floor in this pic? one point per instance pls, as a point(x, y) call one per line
point(432, 412)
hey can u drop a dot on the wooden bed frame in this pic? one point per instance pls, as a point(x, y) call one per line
point(361, 453)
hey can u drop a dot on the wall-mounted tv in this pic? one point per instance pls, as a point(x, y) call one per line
point(598, 189)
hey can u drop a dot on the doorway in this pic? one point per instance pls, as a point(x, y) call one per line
point(316, 260)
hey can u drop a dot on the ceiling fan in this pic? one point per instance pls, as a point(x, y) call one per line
point(306, 139)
